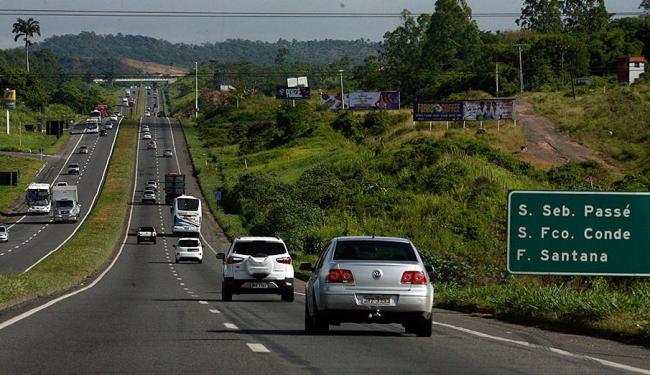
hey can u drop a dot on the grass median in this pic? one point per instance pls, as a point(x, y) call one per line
point(93, 245)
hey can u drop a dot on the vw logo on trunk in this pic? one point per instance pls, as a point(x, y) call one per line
point(376, 274)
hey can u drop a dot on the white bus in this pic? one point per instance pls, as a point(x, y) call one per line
point(187, 215)
point(39, 198)
point(92, 125)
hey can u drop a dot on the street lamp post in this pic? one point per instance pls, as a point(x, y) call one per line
point(196, 90)
point(521, 69)
point(342, 95)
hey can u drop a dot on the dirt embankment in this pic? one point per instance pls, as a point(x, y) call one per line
point(154, 68)
point(546, 145)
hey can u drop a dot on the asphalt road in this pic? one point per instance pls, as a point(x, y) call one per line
point(32, 237)
point(148, 315)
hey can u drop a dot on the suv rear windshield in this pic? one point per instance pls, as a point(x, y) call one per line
point(188, 243)
point(374, 250)
point(258, 248)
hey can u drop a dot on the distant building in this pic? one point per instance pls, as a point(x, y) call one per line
point(631, 68)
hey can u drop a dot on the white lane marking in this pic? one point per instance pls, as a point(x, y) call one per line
point(182, 284)
point(215, 311)
point(300, 294)
point(17, 246)
point(203, 302)
point(179, 278)
point(230, 326)
point(603, 362)
point(1, 254)
point(92, 203)
point(257, 348)
point(99, 278)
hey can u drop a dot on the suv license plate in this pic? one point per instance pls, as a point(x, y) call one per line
point(376, 300)
point(259, 285)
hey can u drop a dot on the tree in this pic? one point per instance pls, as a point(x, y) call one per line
point(26, 30)
point(452, 39)
point(645, 4)
point(543, 16)
point(585, 16)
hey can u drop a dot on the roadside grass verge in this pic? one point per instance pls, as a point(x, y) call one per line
point(27, 168)
point(617, 313)
point(91, 248)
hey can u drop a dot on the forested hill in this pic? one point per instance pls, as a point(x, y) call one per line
point(91, 45)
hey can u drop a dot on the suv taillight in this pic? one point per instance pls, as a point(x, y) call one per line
point(413, 277)
point(284, 260)
point(233, 260)
point(340, 276)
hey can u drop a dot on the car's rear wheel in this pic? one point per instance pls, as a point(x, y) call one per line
point(424, 327)
point(288, 295)
point(316, 325)
point(226, 294)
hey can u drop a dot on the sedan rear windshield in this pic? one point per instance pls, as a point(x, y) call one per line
point(374, 250)
point(258, 248)
point(146, 229)
point(188, 243)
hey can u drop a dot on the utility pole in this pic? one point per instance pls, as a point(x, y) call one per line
point(196, 90)
point(521, 69)
point(497, 80)
point(342, 95)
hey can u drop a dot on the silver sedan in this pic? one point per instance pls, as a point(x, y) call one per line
point(369, 280)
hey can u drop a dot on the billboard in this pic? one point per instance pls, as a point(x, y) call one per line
point(438, 111)
point(9, 99)
point(374, 100)
point(465, 110)
point(389, 100)
point(491, 109)
point(283, 92)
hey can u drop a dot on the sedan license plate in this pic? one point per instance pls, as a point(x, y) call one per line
point(259, 285)
point(376, 300)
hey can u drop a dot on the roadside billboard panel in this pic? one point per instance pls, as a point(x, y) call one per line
point(283, 92)
point(437, 111)
point(490, 109)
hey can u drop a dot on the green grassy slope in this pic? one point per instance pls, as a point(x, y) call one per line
point(445, 190)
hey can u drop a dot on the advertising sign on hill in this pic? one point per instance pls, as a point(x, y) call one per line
point(387, 100)
point(283, 92)
point(465, 110)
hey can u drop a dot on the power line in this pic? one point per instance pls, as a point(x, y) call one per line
point(227, 14)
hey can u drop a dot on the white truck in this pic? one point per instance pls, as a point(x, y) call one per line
point(66, 203)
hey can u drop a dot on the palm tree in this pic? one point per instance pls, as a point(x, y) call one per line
point(26, 30)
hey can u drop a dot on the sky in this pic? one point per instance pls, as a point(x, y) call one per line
point(202, 30)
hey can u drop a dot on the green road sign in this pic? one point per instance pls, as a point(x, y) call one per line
point(579, 233)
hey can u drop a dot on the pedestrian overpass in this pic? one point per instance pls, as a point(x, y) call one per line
point(166, 79)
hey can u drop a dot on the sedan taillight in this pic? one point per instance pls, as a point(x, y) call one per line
point(284, 260)
point(340, 276)
point(233, 260)
point(413, 277)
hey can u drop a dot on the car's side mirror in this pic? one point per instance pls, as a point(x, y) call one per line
point(430, 270)
point(221, 256)
point(306, 267)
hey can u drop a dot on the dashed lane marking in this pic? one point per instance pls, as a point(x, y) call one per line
point(203, 302)
point(230, 326)
point(257, 348)
point(215, 311)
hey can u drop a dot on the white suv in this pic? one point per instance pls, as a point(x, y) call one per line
point(257, 265)
point(189, 248)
